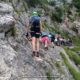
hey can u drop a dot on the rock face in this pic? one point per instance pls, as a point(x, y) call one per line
point(76, 25)
point(16, 62)
point(5, 8)
point(6, 22)
point(6, 19)
point(7, 57)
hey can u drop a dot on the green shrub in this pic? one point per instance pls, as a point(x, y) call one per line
point(74, 29)
point(33, 3)
point(52, 3)
point(75, 49)
point(13, 30)
point(76, 40)
point(76, 75)
point(39, 12)
point(73, 56)
point(52, 28)
point(57, 14)
point(25, 6)
point(48, 74)
point(65, 34)
point(76, 3)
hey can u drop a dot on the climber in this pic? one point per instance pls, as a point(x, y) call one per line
point(35, 30)
point(56, 40)
point(45, 39)
point(51, 37)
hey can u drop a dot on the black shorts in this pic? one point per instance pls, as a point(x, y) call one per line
point(34, 34)
point(35, 31)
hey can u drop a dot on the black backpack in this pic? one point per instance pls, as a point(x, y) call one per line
point(35, 21)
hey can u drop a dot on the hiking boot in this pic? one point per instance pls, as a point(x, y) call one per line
point(37, 55)
point(46, 48)
point(33, 54)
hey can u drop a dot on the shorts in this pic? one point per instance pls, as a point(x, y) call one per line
point(35, 34)
point(45, 38)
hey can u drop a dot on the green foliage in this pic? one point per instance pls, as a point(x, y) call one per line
point(76, 3)
point(72, 52)
point(13, 30)
point(44, 1)
point(54, 28)
point(25, 5)
point(64, 34)
point(73, 56)
point(76, 40)
point(48, 74)
point(74, 29)
point(57, 14)
point(58, 65)
point(33, 3)
point(39, 12)
point(77, 48)
point(52, 3)
point(71, 17)
point(67, 8)
point(72, 70)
